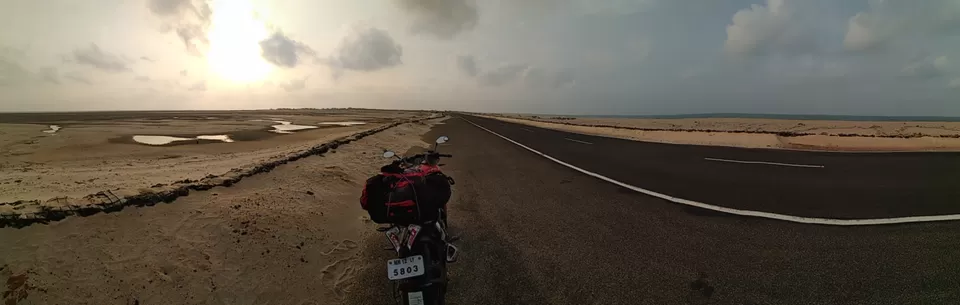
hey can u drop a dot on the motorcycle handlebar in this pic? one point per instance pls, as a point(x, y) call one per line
point(397, 165)
point(412, 159)
point(429, 154)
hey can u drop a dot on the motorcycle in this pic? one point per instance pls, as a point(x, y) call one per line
point(419, 273)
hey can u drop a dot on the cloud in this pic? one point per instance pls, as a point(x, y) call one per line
point(294, 85)
point(611, 7)
point(860, 36)
point(927, 67)
point(468, 65)
point(183, 72)
point(189, 19)
point(365, 49)
point(774, 28)
point(563, 80)
point(142, 78)
point(198, 86)
point(503, 74)
point(169, 7)
point(535, 77)
point(443, 19)
point(508, 73)
point(886, 21)
point(540, 78)
point(11, 73)
point(77, 77)
point(194, 37)
point(282, 51)
point(95, 57)
point(144, 58)
point(50, 75)
point(954, 83)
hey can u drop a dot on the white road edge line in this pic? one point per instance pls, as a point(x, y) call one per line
point(765, 163)
point(578, 141)
point(790, 218)
point(526, 129)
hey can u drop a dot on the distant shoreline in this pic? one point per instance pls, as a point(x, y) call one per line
point(803, 117)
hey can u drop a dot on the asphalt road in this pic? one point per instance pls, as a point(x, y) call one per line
point(536, 232)
point(848, 185)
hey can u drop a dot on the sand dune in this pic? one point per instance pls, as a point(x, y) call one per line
point(289, 236)
point(764, 133)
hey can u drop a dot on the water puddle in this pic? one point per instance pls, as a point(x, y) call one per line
point(288, 127)
point(158, 140)
point(53, 129)
point(164, 140)
point(221, 138)
point(348, 123)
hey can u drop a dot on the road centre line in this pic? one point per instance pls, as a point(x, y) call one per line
point(526, 129)
point(578, 141)
point(763, 162)
point(790, 218)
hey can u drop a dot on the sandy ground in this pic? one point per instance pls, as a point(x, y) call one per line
point(823, 135)
point(289, 236)
point(95, 152)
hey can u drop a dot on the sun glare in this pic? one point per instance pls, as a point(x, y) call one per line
point(235, 37)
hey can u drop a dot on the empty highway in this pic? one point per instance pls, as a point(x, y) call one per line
point(537, 232)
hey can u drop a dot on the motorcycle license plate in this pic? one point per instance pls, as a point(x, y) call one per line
point(407, 267)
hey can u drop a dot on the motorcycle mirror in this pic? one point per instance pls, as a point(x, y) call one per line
point(442, 139)
point(389, 154)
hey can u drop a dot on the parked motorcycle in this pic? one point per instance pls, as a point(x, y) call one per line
point(422, 244)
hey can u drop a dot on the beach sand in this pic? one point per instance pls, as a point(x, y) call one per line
point(95, 152)
point(289, 236)
point(763, 133)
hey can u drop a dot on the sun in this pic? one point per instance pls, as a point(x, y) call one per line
point(235, 36)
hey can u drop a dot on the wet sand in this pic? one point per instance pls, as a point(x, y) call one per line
point(862, 136)
point(289, 236)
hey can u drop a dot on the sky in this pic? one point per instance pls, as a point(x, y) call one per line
point(854, 57)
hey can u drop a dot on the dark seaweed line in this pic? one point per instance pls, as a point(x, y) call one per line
point(778, 133)
point(48, 214)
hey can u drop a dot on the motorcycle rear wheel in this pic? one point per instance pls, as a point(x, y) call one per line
point(433, 294)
